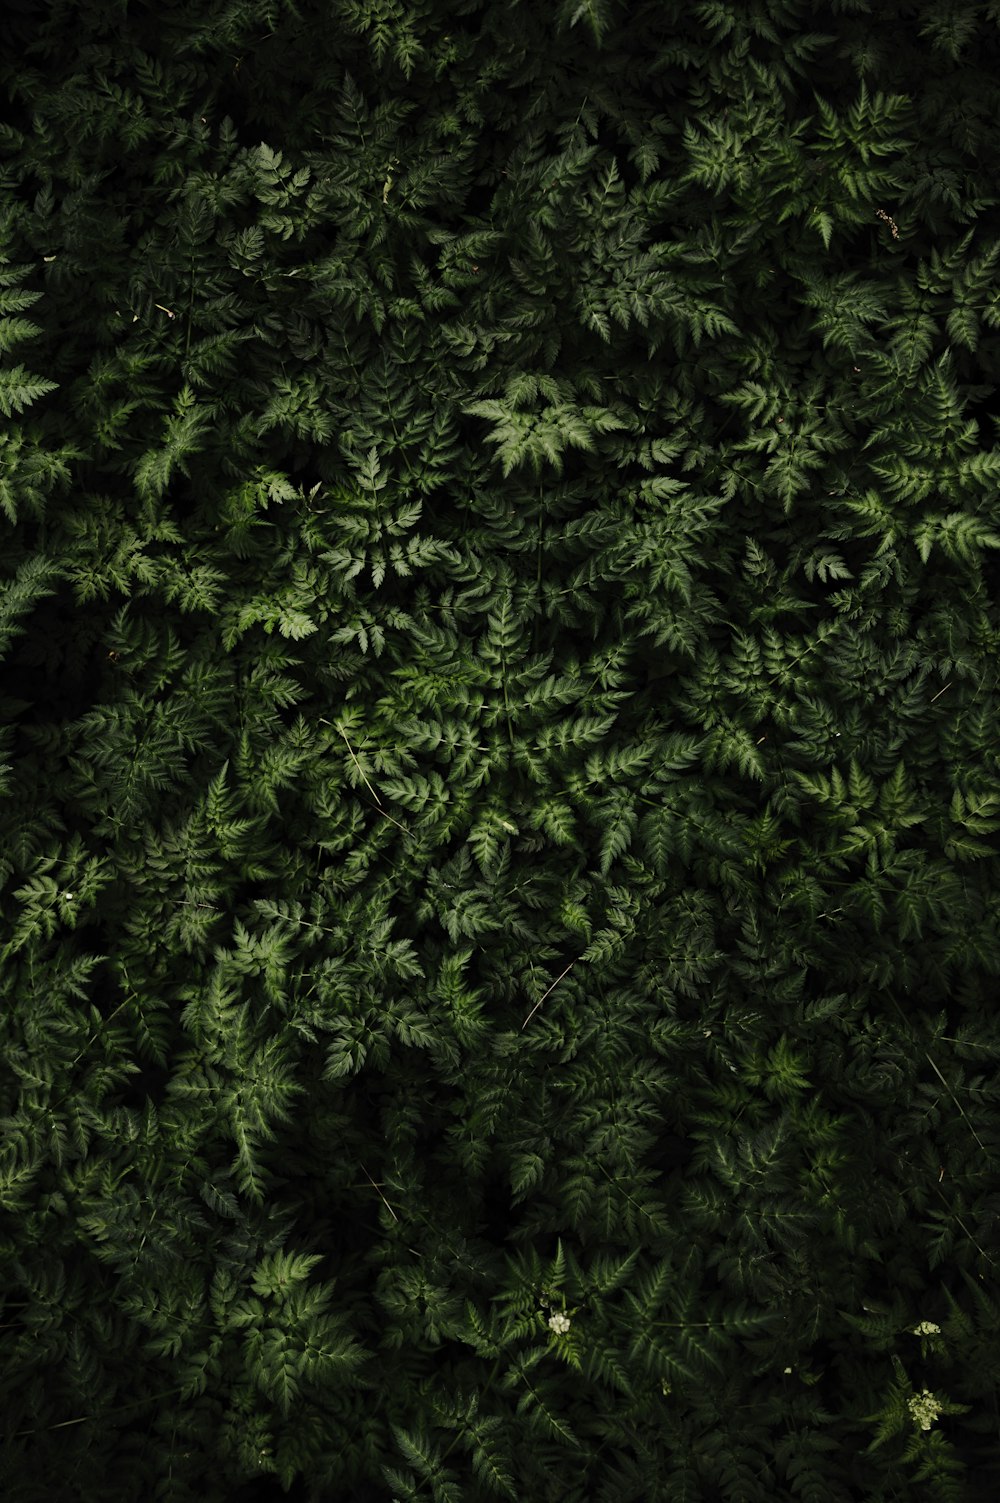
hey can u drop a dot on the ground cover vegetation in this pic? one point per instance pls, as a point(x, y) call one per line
point(498, 751)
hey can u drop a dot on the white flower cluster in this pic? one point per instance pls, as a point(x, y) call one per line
point(559, 1324)
point(926, 1328)
point(925, 1408)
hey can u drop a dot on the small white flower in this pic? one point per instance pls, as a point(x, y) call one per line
point(559, 1324)
point(788, 1369)
point(925, 1408)
point(926, 1328)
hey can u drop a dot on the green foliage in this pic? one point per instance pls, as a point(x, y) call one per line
point(468, 1031)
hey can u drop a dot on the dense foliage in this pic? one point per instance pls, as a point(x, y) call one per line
point(499, 868)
